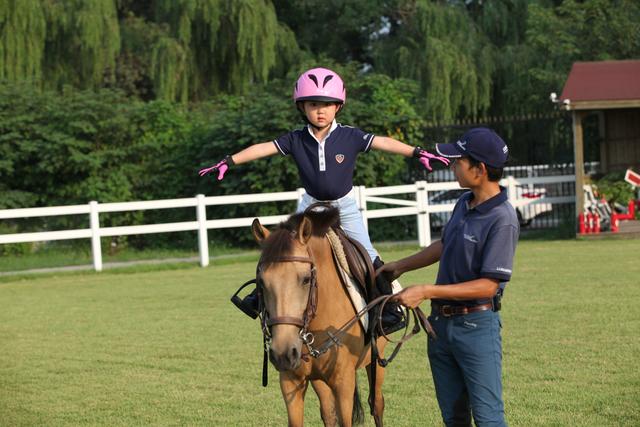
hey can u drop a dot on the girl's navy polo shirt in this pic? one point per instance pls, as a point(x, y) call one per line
point(478, 243)
point(326, 169)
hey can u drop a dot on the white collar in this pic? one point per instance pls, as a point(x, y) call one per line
point(334, 125)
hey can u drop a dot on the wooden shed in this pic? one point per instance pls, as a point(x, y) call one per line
point(611, 90)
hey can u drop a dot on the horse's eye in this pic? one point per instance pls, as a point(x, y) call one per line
point(306, 281)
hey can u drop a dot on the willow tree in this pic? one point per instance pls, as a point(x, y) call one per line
point(217, 46)
point(556, 36)
point(440, 46)
point(22, 35)
point(82, 42)
point(341, 30)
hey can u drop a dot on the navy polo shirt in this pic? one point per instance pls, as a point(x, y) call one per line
point(326, 169)
point(478, 243)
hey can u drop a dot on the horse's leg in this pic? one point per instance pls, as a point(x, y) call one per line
point(327, 402)
point(377, 398)
point(343, 389)
point(293, 389)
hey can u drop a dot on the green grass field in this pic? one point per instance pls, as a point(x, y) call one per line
point(165, 347)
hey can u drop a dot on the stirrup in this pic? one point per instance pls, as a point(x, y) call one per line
point(396, 314)
point(395, 327)
point(238, 302)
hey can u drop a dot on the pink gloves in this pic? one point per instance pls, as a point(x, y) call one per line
point(425, 157)
point(221, 167)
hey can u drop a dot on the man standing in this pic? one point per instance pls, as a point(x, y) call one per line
point(476, 259)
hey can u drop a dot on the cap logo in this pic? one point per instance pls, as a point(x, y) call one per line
point(339, 158)
point(462, 144)
point(505, 150)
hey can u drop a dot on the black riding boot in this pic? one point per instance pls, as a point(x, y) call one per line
point(248, 304)
point(392, 318)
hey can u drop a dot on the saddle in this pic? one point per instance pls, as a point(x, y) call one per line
point(359, 264)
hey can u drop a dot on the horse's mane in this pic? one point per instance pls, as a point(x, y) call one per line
point(280, 241)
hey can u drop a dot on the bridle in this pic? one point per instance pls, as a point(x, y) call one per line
point(420, 320)
point(267, 322)
point(312, 300)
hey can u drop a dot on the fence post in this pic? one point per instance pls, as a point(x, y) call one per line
point(203, 241)
point(94, 222)
point(511, 190)
point(424, 227)
point(361, 201)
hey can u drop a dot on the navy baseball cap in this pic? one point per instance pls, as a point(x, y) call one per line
point(482, 144)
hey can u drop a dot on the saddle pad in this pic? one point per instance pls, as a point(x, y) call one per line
point(357, 299)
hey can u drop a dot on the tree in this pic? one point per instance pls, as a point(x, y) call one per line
point(503, 22)
point(22, 36)
point(217, 46)
point(83, 40)
point(558, 36)
point(341, 30)
point(440, 46)
point(180, 50)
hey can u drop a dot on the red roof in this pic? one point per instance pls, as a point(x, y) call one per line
point(603, 81)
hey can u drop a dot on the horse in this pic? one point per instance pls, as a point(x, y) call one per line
point(305, 302)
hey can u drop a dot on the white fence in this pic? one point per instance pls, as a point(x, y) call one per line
point(419, 207)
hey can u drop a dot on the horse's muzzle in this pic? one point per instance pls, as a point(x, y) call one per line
point(286, 361)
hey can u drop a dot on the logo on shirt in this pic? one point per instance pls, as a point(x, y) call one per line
point(339, 158)
point(504, 270)
point(471, 238)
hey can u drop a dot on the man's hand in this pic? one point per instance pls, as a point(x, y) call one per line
point(425, 157)
point(390, 271)
point(222, 166)
point(412, 296)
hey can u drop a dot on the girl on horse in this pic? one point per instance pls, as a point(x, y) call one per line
point(325, 153)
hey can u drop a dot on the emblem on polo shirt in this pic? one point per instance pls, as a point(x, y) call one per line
point(470, 237)
point(339, 158)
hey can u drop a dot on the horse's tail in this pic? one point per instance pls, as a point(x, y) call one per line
point(357, 415)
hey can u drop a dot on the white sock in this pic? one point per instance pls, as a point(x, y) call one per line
point(396, 286)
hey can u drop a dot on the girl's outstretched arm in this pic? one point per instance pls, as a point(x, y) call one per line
point(391, 145)
point(253, 152)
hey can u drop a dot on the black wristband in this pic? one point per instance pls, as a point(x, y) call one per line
point(416, 151)
point(229, 159)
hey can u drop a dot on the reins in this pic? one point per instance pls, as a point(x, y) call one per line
point(419, 318)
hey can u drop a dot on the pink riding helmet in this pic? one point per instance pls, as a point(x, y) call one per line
point(319, 84)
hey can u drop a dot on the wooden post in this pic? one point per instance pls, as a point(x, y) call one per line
point(578, 159)
point(422, 202)
point(604, 146)
point(361, 201)
point(94, 223)
point(203, 240)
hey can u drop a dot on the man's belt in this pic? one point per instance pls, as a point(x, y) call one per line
point(457, 310)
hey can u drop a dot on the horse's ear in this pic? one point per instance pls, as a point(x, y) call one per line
point(259, 231)
point(304, 230)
